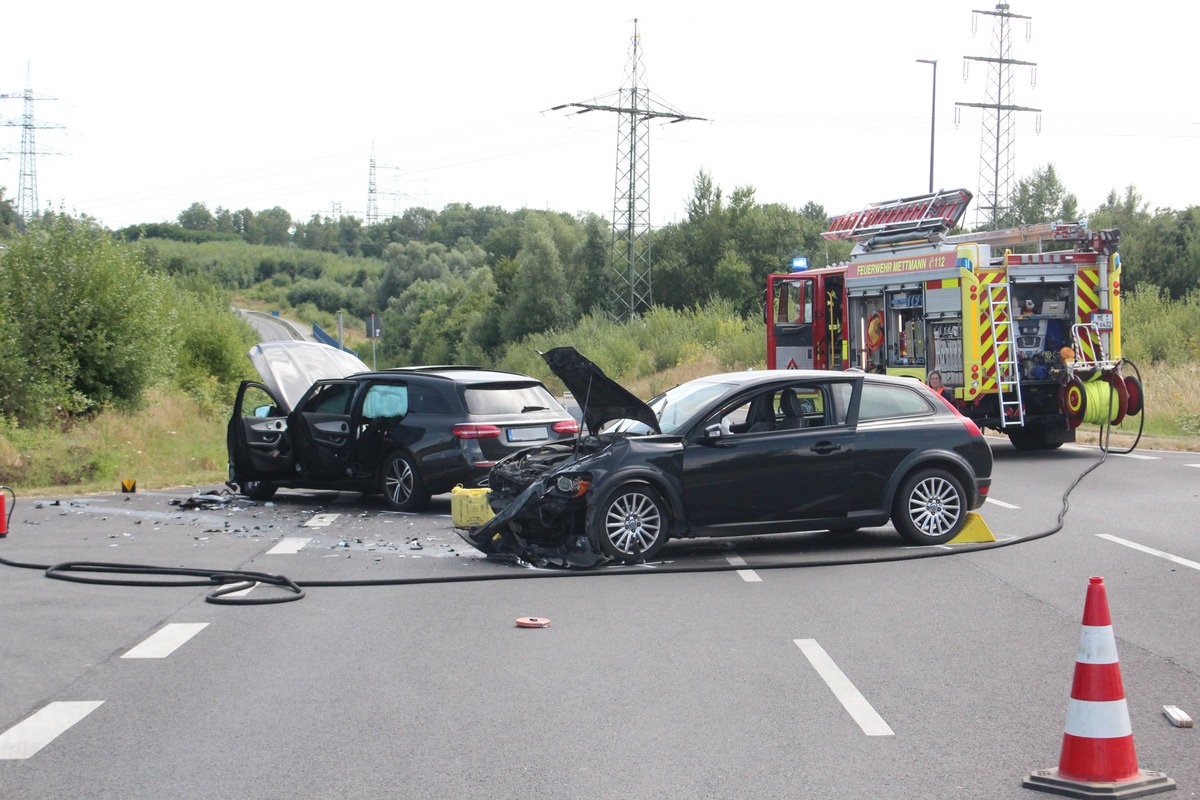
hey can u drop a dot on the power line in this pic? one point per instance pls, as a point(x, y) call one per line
point(631, 233)
point(996, 151)
point(27, 197)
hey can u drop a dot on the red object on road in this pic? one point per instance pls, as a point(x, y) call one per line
point(1097, 750)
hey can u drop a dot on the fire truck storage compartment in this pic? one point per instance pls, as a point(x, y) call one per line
point(906, 327)
point(1042, 311)
point(868, 330)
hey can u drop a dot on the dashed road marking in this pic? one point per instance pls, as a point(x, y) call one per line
point(242, 592)
point(35, 732)
point(321, 520)
point(748, 575)
point(1002, 504)
point(1138, 456)
point(1173, 559)
point(166, 640)
point(851, 699)
point(289, 546)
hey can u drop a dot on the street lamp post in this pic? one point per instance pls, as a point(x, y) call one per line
point(933, 116)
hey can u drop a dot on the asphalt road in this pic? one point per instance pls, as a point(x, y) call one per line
point(659, 683)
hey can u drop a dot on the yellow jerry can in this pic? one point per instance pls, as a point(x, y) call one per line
point(469, 507)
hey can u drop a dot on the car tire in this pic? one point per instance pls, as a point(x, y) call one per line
point(258, 490)
point(930, 508)
point(632, 524)
point(401, 484)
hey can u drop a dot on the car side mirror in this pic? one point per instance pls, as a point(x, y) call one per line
point(714, 431)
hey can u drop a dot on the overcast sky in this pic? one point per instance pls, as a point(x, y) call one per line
point(257, 103)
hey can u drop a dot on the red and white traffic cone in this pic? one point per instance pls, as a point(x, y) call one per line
point(1098, 759)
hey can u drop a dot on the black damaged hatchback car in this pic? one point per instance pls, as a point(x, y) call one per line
point(317, 422)
point(736, 454)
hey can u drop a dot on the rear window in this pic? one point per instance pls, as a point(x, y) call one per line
point(880, 401)
point(509, 398)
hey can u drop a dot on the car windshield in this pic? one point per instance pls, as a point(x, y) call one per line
point(676, 406)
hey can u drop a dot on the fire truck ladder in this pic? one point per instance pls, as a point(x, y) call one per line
point(1036, 233)
point(938, 211)
point(1007, 383)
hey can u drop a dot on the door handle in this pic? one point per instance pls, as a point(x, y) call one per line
point(825, 448)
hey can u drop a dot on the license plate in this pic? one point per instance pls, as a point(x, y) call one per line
point(527, 434)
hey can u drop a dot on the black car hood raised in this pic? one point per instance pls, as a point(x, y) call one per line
point(600, 397)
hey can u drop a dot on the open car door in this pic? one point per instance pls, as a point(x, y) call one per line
point(322, 430)
point(259, 442)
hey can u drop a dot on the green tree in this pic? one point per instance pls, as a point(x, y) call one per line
point(539, 299)
point(9, 221)
point(244, 226)
point(438, 322)
point(1128, 211)
point(93, 323)
point(591, 278)
point(197, 217)
point(1164, 253)
point(223, 221)
point(1040, 198)
point(319, 233)
point(274, 226)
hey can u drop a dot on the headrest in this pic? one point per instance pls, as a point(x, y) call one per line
point(789, 403)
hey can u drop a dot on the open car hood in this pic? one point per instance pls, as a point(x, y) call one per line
point(601, 398)
point(288, 368)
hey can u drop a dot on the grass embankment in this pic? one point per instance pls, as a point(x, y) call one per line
point(172, 443)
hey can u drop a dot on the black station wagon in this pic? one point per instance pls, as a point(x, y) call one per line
point(741, 453)
point(404, 433)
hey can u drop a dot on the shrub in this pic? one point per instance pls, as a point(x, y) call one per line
point(88, 324)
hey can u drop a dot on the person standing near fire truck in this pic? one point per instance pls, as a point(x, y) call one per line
point(935, 382)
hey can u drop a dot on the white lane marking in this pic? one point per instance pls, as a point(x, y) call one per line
point(1192, 465)
point(33, 733)
point(288, 546)
point(1137, 456)
point(166, 640)
point(1174, 559)
point(321, 520)
point(748, 575)
point(1003, 504)
point(242, 592)
point(851, 699)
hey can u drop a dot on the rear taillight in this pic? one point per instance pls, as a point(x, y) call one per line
point(567, 426)
point(967, 422)
point(467, 430)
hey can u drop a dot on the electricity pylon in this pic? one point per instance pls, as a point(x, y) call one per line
point(630, 252)
point(27, 197)
point(372, 203)
point(996, 150)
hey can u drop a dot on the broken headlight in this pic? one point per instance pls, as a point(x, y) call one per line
point(572, 485)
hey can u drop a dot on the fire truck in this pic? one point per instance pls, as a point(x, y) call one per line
point(1027, 344)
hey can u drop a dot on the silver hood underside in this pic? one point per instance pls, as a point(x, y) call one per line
point(288, 368)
